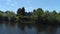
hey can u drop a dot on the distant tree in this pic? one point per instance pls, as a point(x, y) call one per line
point(1, 15)
point(44, 16)
point(58, 17)
point(39, 13)
point(29, 13)
point(52, 17)
point(34, 15)
point(54, 12)
point(10, 15)
point(21, 12)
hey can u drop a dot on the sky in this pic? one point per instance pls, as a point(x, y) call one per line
point(29, 5)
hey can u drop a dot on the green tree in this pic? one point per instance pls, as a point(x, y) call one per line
point(34, 15)
point(44, 16)
point(58, 17)
point(52, 17)
point(21, 12)
point(39, 14)
point(1, 15)
point(10, 15)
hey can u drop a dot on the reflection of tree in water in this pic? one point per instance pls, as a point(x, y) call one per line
point(24, 27)
point(12, 24)
point(45, 29)
point(0, 23)
point(21, 27)
point(40, 28)
point(51, 30)
point(29, 26)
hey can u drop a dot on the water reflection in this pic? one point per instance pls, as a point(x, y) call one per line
point(51, 30)
point(46, 29)
point(13, 28)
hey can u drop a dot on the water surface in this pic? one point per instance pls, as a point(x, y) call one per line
point(28, 29)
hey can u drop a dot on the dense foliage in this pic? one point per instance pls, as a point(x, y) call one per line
point(36, 16)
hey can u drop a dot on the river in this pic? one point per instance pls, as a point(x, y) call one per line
point(28, 29)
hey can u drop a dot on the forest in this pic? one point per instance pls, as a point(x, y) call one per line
point(36, 16)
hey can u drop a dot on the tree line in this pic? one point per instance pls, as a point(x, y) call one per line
point(36, 16)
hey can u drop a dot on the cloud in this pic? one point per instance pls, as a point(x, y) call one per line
point(11, 2)
point(29, 8)
point(26, 1)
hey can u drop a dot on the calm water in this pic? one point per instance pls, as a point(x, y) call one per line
point(28, 29)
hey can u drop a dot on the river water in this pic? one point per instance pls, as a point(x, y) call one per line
point(28, 29)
